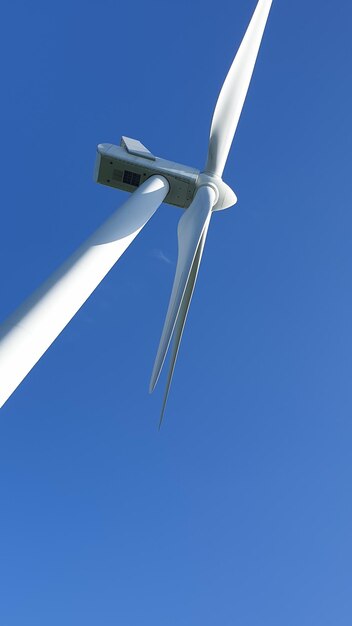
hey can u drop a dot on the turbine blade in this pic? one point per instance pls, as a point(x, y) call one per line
point(182, 316)
point(234, 90)
point(190, 229)
point(29, 332)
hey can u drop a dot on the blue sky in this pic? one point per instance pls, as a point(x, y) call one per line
point(239, 511)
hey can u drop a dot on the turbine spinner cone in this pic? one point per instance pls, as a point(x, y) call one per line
point(225, 196)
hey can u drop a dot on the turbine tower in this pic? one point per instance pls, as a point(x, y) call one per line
point(30, 330)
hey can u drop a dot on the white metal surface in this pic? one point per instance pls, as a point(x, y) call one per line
point(191, 227)
point(234, 90)
point(29, 332)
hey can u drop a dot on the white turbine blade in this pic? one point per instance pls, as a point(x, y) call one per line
point(190, 229)
point(182, 315)
point(29, 332)
point(234, 90)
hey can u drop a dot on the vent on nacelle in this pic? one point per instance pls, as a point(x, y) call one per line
point(130, 178)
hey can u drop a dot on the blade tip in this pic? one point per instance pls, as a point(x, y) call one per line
point(152, 385)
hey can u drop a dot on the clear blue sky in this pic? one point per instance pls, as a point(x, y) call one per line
point(240, 510)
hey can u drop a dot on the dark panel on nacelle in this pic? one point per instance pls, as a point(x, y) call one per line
point(116, 167)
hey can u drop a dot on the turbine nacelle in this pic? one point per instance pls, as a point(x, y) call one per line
point(130, 164)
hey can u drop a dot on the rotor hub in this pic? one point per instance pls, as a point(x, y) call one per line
point(225, 196)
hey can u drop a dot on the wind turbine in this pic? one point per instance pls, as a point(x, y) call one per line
point(30, 330)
